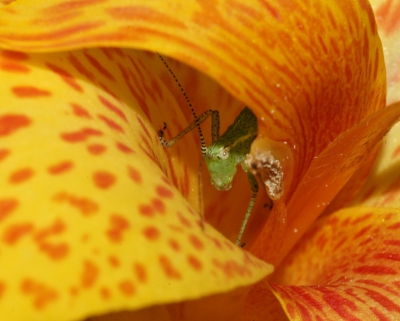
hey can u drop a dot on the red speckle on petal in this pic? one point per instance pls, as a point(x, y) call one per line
point(166, 181)
point(89, 274)
point(123, 148)
point(113, 260)
point(105, 293)
point(174, 245)
point(375, 270)
point(135, 175)
point(140, 272)
point(110, 123)
point(184, 221)
point(96, 64)
point(60, 167)
point(196, 242)
point(392, 242)
point(361, 219)
point(2, 289)
point(79, 136)
point(164, 192)
point(11, 123)
point(4, 153)
point(79, 111)
point(7, 206)
point(14, 55)
point(55, 251)
point(394, 226)
point(151, 233)
point(20, 175)
point(110, 106)
point(13, 233)
point(73, 291)
point(127, 288)
point(118, 225)
point(103, 179)
point(84, 205)
point(65, 76)
point(168, 268)
point(29, 92)
point(146, 210)
point(80, 67)
point(42, 294)
point(194, 263)
point(158, 205)
point(231, 268)
point(15, 67)
point(96, 149)
point(56, 228)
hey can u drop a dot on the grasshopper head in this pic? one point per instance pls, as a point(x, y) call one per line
point(221, 166)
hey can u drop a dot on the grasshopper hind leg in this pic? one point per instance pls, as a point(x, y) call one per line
point(254, 188)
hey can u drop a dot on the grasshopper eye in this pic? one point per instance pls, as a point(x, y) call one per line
point(224, 153)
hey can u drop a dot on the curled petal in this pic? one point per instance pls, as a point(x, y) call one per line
point(89, 221)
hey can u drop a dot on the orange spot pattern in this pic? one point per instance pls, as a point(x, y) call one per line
point(89, 275)
point(13, 233)
point(103, 179)
point(80, 136)
point(96, 149)
point(60, 168)
point(41, 294)
point(169, 270)
point(105, 293)
point(110, 123)
point(135, 175)
point(110, 106)
point(4, 153)
point(65, 76)
point(7, 206)
point(53, 251)
point(113, 260)
point(20, 175)
point(140, 272)
point(84, 205)
point(164, 192)
point(11, 123)
point(29, 92)
point(151, 233)
point(118, 225)
point(79, 111)
point(127, 288)
point(125, 149)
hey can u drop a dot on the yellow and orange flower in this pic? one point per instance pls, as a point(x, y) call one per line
point(99, 222)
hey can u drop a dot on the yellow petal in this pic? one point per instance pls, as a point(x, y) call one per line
point(89, 222)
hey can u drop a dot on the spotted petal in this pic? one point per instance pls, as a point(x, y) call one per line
point(84, 228)
point(346, 268)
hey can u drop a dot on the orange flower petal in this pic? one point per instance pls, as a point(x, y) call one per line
point(301, 87)
point(346, 267)
point(89, 222)
point(329, 172)
point(382, 188)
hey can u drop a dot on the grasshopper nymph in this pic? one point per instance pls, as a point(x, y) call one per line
point(225, 152)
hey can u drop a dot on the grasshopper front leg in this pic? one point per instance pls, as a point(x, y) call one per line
point(197, 122)
point(254, 188)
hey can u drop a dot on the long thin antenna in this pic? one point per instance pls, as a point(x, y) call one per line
point(203, 144)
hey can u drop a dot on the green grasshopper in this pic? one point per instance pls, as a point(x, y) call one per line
point(225, 152)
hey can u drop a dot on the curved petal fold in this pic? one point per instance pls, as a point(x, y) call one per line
point(89, 222)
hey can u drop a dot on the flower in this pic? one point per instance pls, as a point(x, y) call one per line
point(97, 218)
